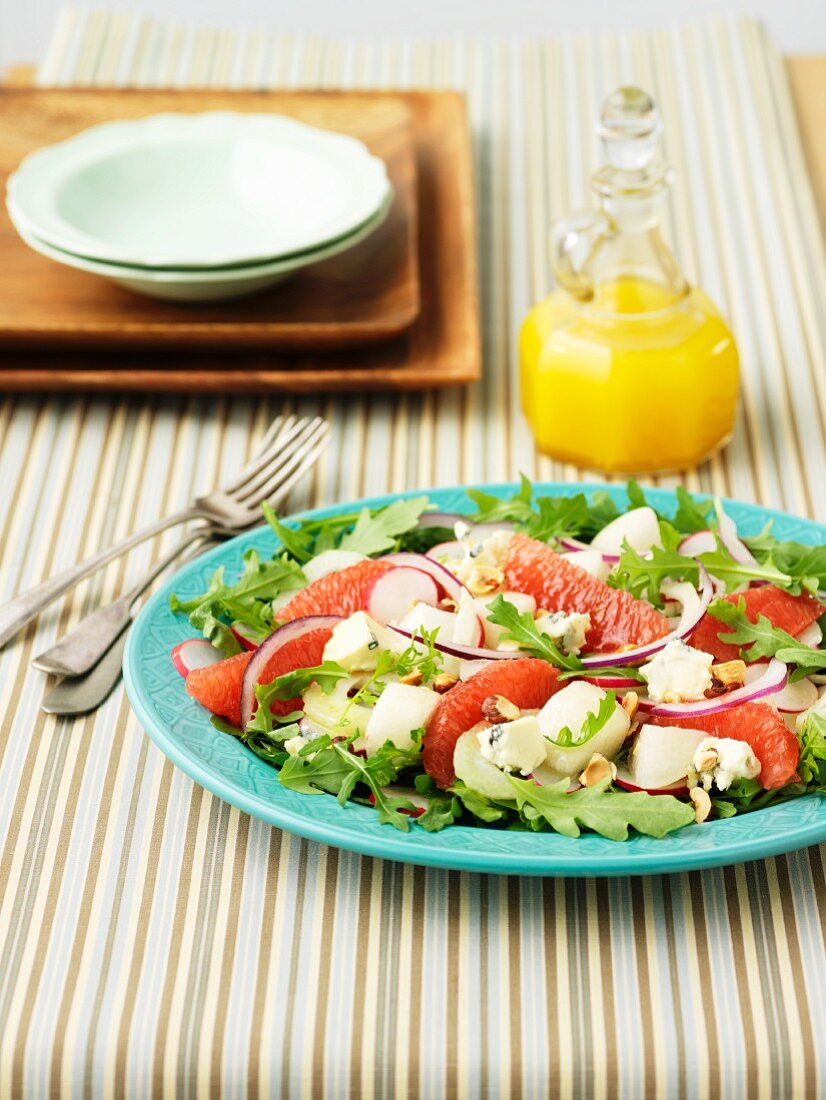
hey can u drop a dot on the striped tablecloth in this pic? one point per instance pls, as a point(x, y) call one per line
point(153, 939)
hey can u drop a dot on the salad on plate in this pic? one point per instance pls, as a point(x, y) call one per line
point(538, 663)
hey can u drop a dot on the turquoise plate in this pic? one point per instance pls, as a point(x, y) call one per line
point(182, 731)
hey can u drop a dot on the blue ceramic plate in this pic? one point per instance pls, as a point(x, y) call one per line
point(181, 729)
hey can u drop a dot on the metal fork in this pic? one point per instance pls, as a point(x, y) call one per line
point(288, 447)
point(81, 649)
point(80, 694)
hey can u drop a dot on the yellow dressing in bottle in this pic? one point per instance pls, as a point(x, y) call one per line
point(625, 367)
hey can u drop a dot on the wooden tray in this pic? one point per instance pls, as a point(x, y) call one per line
point(366, 294)
point(441, 348)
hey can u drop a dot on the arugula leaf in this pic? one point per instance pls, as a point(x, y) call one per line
point(478, 805)
point(607, 812)
point(248, 600)
point(558, 517)
point(763, 640)
point(325, 765)
point(602, 510)
point(522, 629)
point(442, 810)
point(590, 727)
point(492, 509)
point(377, 532)
point(733, 573)
point(636, 495)
point(811, 766)
point(643, 576)
point(296, 541)
point(806, 565)
point(421, 654)
point(693, 514)
point(290, 686)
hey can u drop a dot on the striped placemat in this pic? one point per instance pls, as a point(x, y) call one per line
point(153, 940)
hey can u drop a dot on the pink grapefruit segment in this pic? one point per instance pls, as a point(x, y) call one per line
point(617, 618)
point(761, 727)
point(218, 687)
point(341, 593)
point(527, 682)
point(790, 613)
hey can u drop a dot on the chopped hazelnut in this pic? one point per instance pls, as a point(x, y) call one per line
point(630, 703)
point(597, 770)
point(725, 677)
point(707, 760)
point(484, 580)
point(414, 677)
point(447, 604)
point(496, 708)
point(702, 804)
point(444, 682)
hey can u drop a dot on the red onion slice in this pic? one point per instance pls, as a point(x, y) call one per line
point(727, 529)
point(774, 679)
point(440, 573)
point(267, 650)
point(466, 652)
point(575, 544)
point(693, 611)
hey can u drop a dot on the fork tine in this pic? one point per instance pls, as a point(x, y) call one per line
point(273, 436)
point(284, 441)
point(253, 490)
point(264, 484)
point(305, 464)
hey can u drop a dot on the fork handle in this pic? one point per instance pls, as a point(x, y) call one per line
point(19, 611)
point(81, 649)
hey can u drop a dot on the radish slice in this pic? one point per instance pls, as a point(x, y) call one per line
point(267, 650)
point(694, 607)
point(772, 680)
point(727, 529)
point(617, 682)
point(395, 592)
point(701, 542)
point(440, 573)
point(194, 653)
point(624, 780)
point(242, 636)
point(441, 519)
point(791, 699)
point(454, 550)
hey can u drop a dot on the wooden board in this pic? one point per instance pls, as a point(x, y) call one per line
point(441, 348)
point(368, 293)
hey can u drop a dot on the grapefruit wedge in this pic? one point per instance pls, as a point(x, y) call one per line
point(341, 593)
point(617, 618)
point(790, 613)
point(525, 681)
point(761, 727)
point(218, 687)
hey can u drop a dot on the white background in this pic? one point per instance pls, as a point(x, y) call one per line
point(798, 26)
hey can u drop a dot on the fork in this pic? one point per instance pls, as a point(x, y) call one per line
point(288, 448)
point(81, 649)
point(79, 694)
